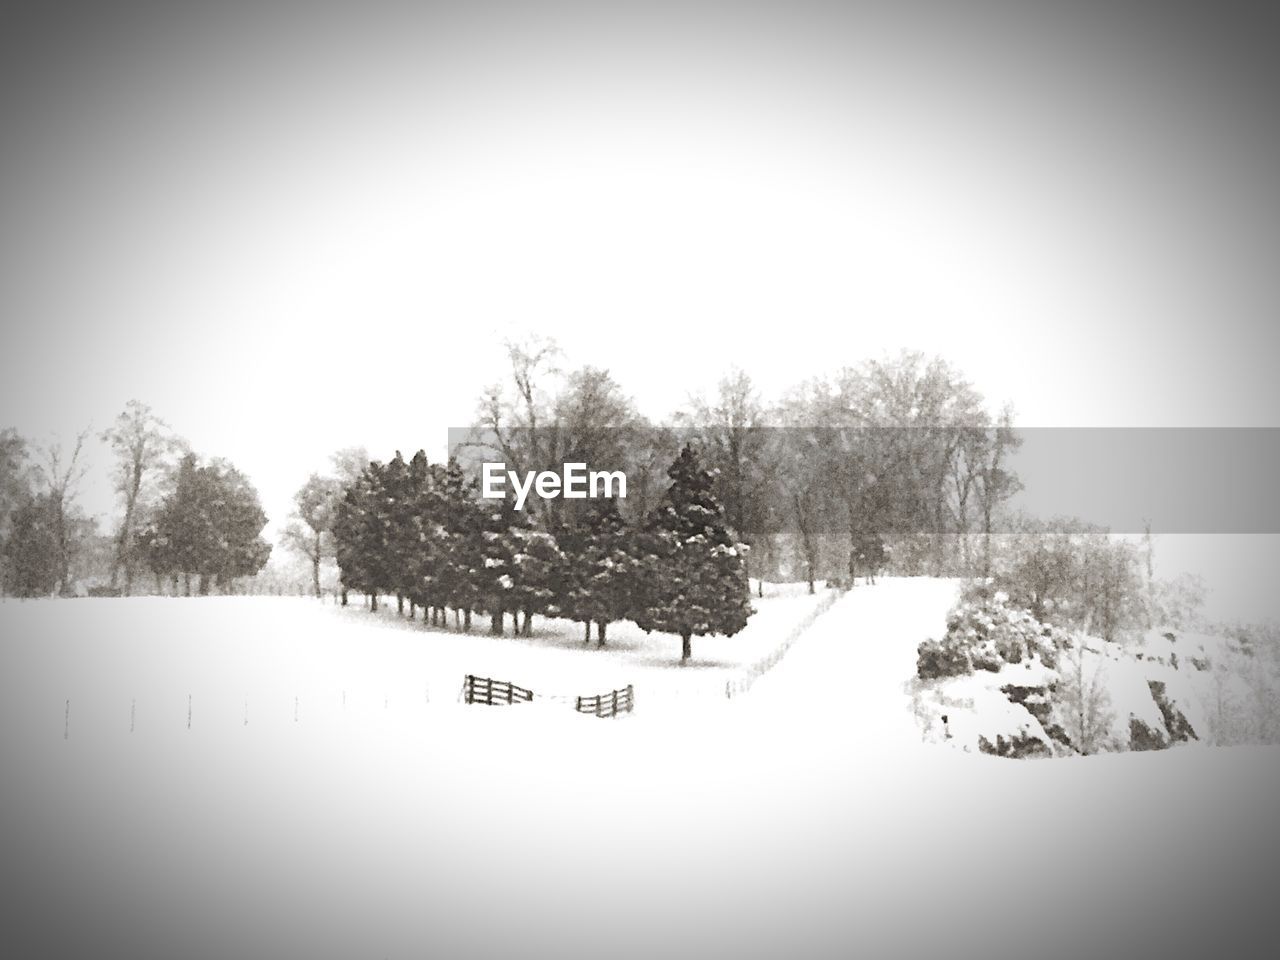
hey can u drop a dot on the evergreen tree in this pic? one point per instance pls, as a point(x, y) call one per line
point(538, 571)
point(346, 523)
point(398, 509)
point(208, 526)
point(695, 579)
point(602, 577)
point(462, 558)
point(420, 537)
point(494, 574)
point(357, 534)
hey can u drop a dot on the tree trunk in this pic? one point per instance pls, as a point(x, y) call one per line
point(466, 620)
point(686, 652)
point(186, 584)
point(457, 618)
point(602, 627)
point(413, 610)
point(497, 622)
point(315, 576)
point(400, 604)
point(373, 603)
point(344, 596)
point(586, 636)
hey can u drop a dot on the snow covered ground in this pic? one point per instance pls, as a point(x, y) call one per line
point(135, 662)
point(805, 818)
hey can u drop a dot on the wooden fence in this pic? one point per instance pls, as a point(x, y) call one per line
point(608, 704)
point(488, 691)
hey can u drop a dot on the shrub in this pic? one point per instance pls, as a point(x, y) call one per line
point(991, 633)
point(1017, 746)
point(1142, 737)
point(941, 658)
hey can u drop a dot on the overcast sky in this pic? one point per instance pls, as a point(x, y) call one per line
point(291, 228)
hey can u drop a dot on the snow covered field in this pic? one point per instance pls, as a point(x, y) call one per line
point(805, 818)
point(134, 663)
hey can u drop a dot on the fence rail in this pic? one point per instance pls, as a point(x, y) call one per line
point(608, 704)
point(750, 674)
point(492, 692)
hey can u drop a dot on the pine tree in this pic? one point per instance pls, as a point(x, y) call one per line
point(537, 569)
point(209, 526)
point(602, 578)
point(415, 535)
point(495, 573)
point(400, 530)
point(359, 535)
point(462, 559)
point(695, 579)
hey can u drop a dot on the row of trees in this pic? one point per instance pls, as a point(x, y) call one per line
point(181, 519)
point(419, 531)
point(900, 452)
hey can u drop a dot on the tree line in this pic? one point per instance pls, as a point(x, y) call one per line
point(185, 521)
point(419, 531)
point(892, 462)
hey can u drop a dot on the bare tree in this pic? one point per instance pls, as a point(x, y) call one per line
point(517, 420)
point(994, 482)
point(348, 464)
point(310, 530)
point(545, 416)
point(1082, 701)
point(15, 489)
point(61, 475)
point(141, 442)
point(799, 464)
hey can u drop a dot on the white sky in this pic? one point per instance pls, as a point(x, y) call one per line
point(292, 234)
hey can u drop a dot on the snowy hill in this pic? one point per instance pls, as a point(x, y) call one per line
point(804, 818)
point(1000, 682)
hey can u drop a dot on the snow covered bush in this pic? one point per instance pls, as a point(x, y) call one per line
point(1143, 737)
point(984, 632)
point(941, 658)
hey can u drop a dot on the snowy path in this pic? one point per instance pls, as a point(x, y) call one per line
point(848, 671)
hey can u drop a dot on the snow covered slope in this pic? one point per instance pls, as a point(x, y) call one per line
point(852, 667)
point(799, 820)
